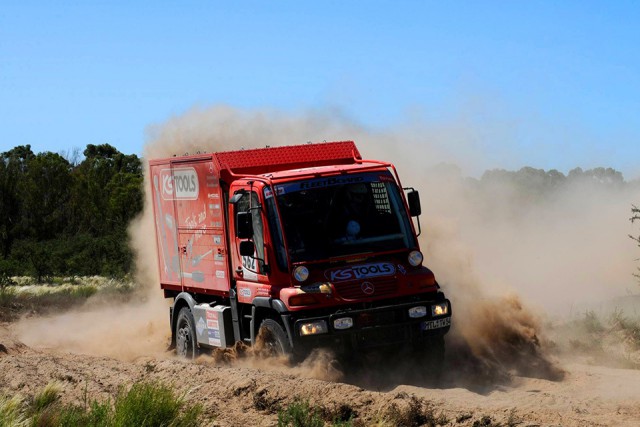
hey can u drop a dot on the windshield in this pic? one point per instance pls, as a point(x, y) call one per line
point(344, 215)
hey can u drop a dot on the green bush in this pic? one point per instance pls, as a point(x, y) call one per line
point(592, 323)
point(8, 268)
point(7, 296)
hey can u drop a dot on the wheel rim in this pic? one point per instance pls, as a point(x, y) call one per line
point(273, 348)
point(272, 345)
point(183, 340)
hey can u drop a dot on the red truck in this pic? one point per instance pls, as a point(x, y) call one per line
point(308, 244)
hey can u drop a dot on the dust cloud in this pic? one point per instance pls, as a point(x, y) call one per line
point(504, 268)
point(105, 326)
point(320, 364)
point(125, 330)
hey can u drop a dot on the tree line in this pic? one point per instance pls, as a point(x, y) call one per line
point(63, 216)
point(67, 214)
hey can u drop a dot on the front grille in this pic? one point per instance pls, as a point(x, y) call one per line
point(379, 318)
point(354, 290)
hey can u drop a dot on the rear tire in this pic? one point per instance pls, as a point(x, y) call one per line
point(273, 339)
point(186, 341)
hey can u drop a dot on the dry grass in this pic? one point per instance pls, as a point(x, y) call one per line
point(608, 339)
point(22, 295)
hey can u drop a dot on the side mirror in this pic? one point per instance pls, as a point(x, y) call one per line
point(247, 248)
point(413, 197)
point(244, 225)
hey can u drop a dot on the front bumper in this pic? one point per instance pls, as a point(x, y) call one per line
point(374, 327)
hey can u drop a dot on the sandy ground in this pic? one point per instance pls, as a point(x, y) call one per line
point(248, 392)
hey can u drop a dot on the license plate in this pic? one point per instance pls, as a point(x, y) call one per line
point(435, 324)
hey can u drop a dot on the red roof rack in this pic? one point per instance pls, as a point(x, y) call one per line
point(273, 159)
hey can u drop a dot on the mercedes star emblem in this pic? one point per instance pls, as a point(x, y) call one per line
point(367, 288)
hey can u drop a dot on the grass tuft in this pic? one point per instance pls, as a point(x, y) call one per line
point(300, 414)
point(49, 395)
point(12, 412)
point(153, 404)
point(415, 414)
point(144, 404)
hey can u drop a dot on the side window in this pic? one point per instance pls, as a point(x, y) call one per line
point(276, 231)
point(252, 204)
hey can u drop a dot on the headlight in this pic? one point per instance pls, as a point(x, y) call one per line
point(415, 258)
point(415, 312)
point(439, 309)
point(313, 328)
point(343, 323)
point(301, 273)
point(317, 288)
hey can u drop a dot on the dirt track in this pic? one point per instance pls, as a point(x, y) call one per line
point(249, 391)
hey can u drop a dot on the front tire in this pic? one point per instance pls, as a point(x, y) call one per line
point(186, 342)
point(273, 340)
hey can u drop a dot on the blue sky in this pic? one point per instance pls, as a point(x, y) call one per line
point(563, 78)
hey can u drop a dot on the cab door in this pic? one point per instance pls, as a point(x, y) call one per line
point(249, 270)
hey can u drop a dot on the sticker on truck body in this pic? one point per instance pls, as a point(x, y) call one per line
point(249, 271)
point(201, 326)
point(179, 183)
point(214, 337)
point(362, 271)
